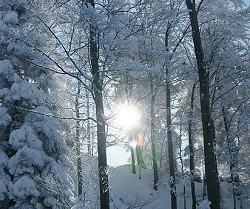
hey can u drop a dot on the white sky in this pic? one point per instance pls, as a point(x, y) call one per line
point(117, 156)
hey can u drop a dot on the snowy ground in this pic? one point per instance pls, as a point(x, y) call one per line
point(128, 192)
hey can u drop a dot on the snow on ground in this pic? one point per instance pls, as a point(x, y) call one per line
point(128, 192)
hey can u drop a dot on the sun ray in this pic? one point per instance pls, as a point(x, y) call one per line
point(127, 117)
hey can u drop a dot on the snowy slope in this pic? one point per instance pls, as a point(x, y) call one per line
point(128, 192)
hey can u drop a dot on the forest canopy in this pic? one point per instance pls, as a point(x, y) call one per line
point(166, 81)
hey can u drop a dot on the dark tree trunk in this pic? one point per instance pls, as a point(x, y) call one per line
point(89, 143)
point(232, 152)
point(171, 152)
point(139, 159)
point(169, 134)
point(211, 172)
point(78, 142)
point(152, 128)
point(182, 168)
point(132, 151)
point(191, 150)
point(98, 98)
point(133, 160)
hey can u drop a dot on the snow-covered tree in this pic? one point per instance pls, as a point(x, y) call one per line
point(34, 155)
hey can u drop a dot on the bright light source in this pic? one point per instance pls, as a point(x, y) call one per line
point(127, 117)
point(133, 144)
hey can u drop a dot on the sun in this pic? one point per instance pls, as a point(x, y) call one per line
point(127, 117)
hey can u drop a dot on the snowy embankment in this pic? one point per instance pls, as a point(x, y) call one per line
point(128, 191)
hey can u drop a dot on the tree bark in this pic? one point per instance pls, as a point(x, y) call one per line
point(132, 150)
point(98, 99)
point(169, 134)
point(89, 143)
point(78, 142)
point(139, 159)
point(232, 152)
point(211, 172)
point(133, 160)
point(152, 129)
point(171, 152)
point(182, 168)
point(191, 150)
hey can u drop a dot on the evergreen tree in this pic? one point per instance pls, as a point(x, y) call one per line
point(33, 152)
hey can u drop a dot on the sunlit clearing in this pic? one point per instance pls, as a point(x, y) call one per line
point(127, 117)
point(133, 144)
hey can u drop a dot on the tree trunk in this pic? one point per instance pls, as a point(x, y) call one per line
point(169, 135)
point(89, 143)
point(191, 150)
point(211, 172)
point(182, 169)
point(232, 152)
point(78, 142)
point(132, 149)
point(171, 152)
point(152, 128)
point(133, 160)
point(98, 98)
point(139, 159)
